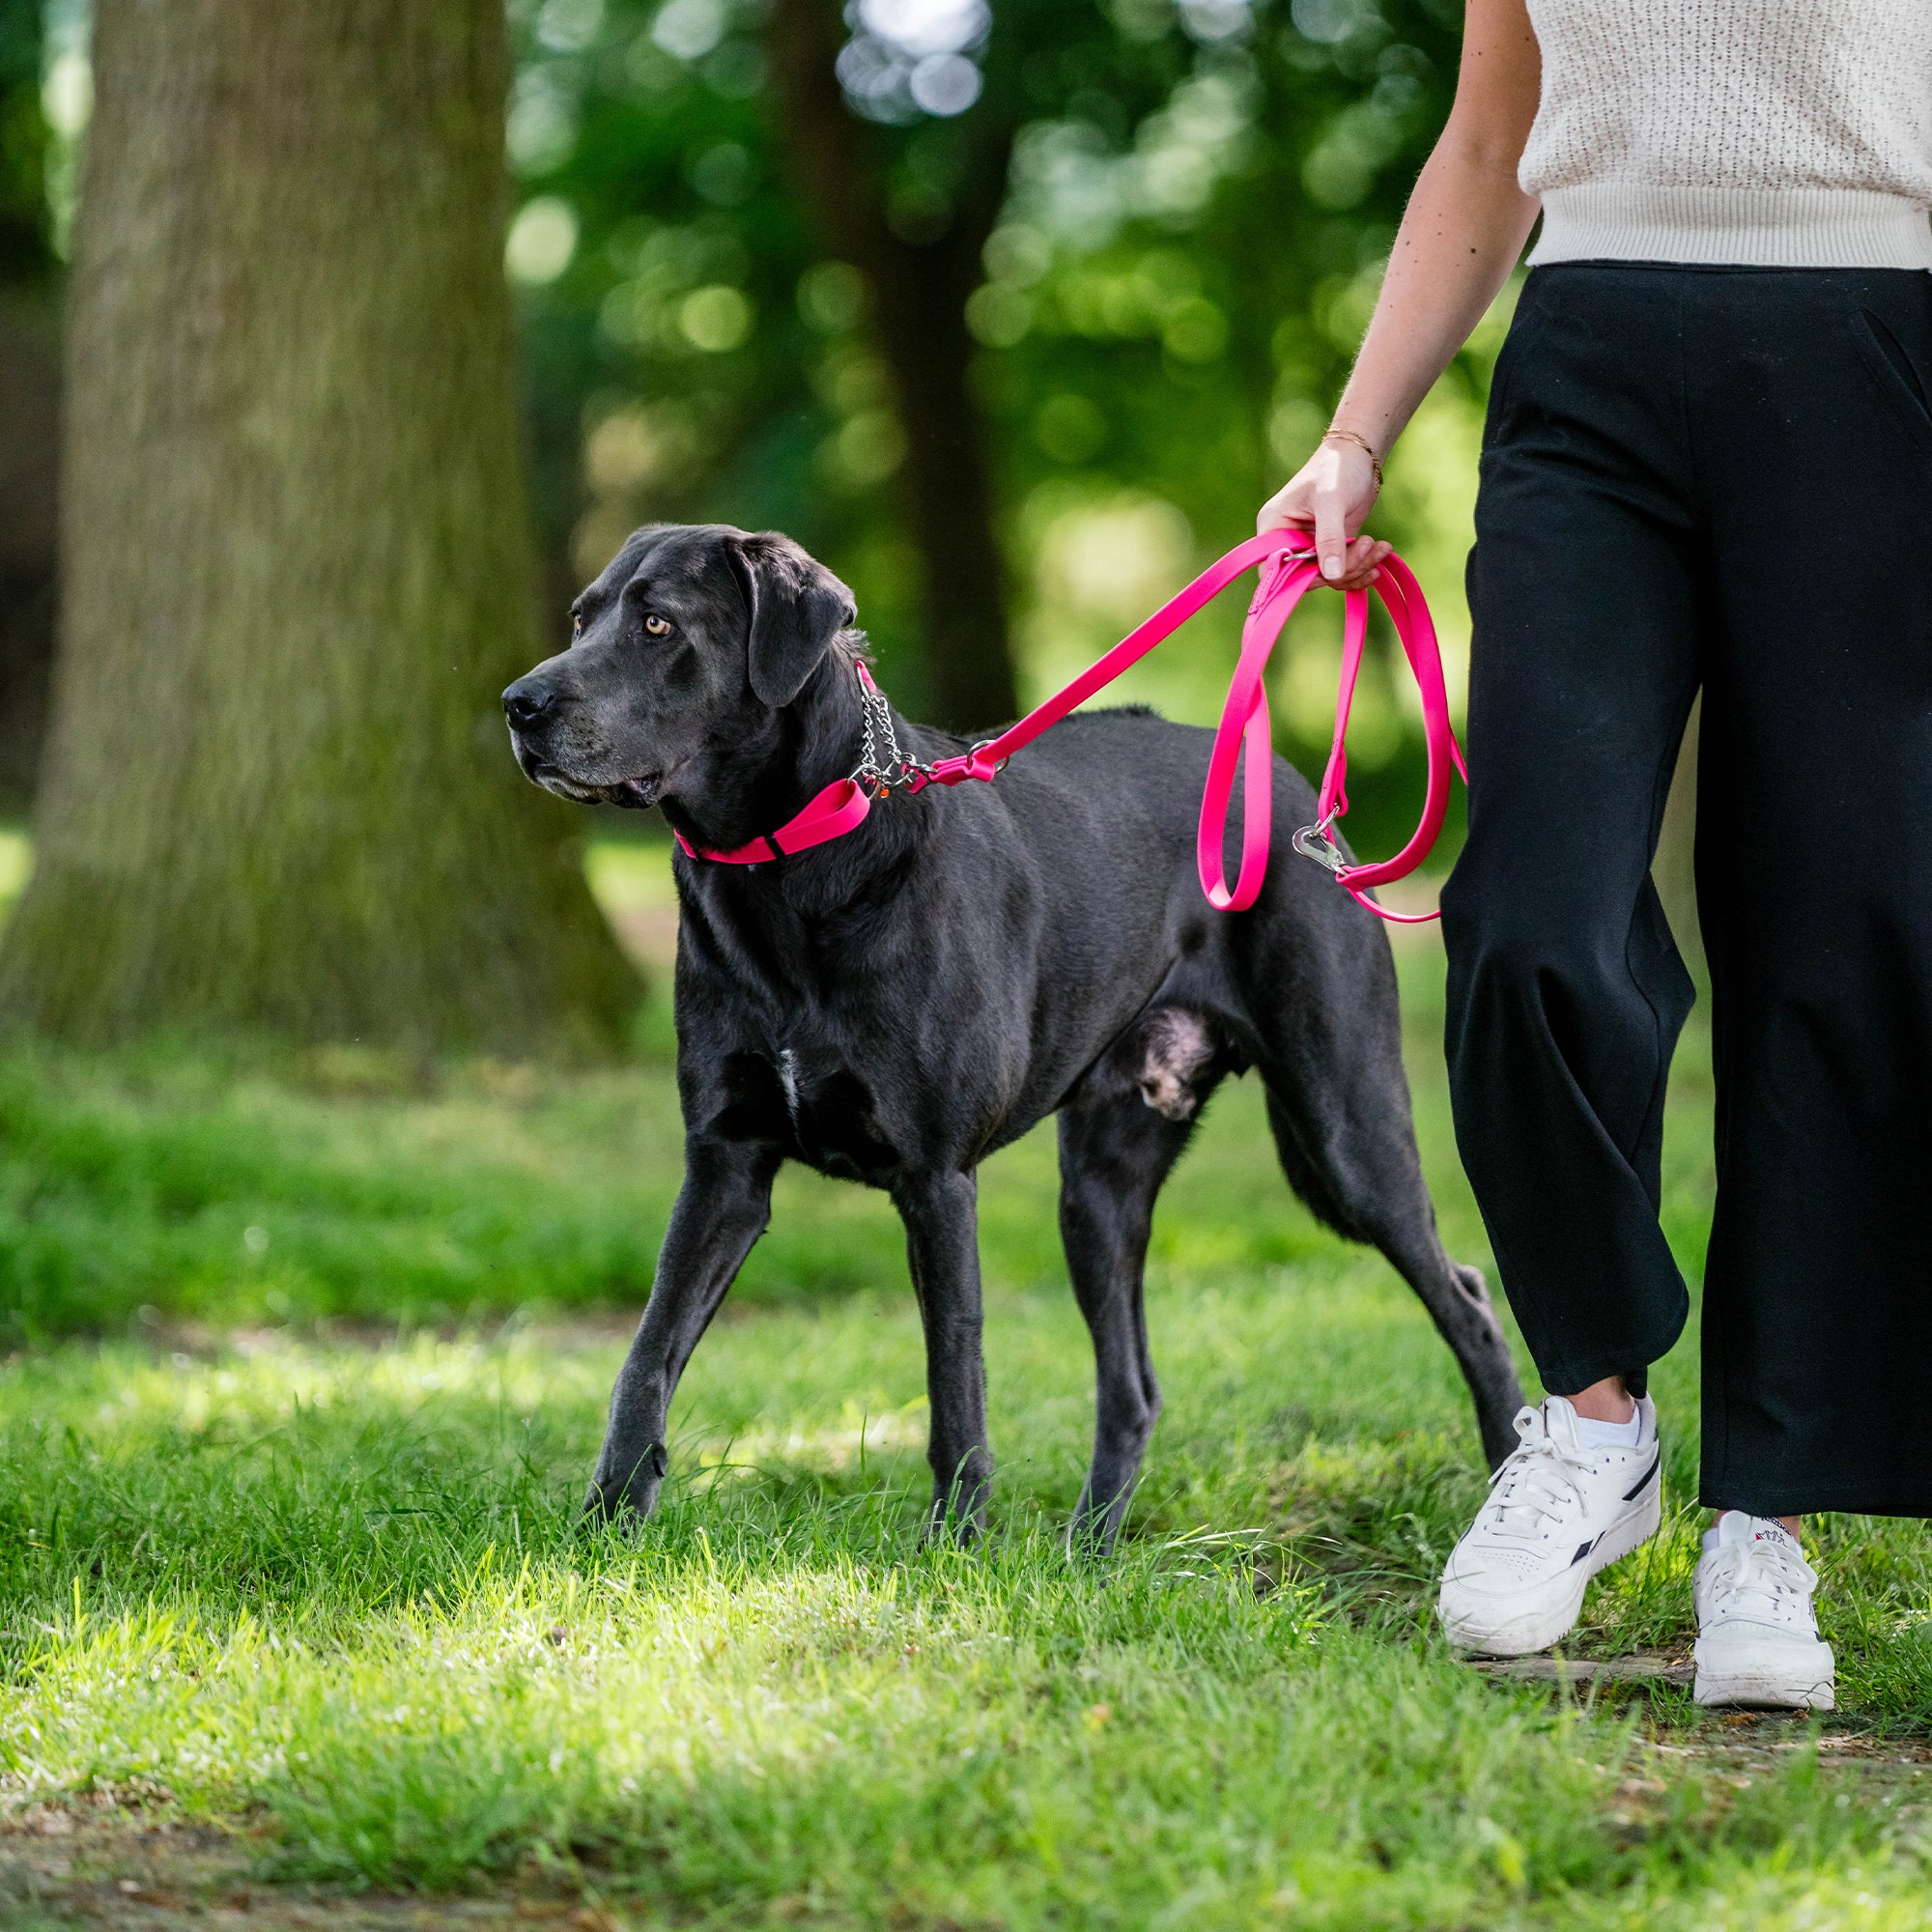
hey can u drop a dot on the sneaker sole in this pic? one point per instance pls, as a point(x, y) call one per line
point(1538, 1628)
point(1764, 1694)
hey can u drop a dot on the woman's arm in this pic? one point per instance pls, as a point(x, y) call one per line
point(1461, 235)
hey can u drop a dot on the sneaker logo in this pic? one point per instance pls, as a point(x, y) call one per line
point(1631, 1495)
point(1583, 1549)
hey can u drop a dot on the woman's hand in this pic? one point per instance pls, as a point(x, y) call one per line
point(1332, 494)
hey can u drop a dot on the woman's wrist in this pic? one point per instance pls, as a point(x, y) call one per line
point(1337, 433)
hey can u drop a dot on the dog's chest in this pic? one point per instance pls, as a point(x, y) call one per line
point(835, 1116)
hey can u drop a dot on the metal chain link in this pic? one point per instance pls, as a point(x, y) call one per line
point(898, 769)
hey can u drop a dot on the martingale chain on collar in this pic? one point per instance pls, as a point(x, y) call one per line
point(898, 771)
point(1287, 576)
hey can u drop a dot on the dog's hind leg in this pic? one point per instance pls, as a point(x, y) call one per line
point(722, 1209)
point(1114, 1151)
point(1342, 1126)
point(942, 1224)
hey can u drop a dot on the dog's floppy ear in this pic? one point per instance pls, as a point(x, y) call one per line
point(797, 606)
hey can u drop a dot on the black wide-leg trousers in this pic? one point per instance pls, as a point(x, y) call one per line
point(1714, 478)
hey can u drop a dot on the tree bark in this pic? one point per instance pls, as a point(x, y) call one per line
point(294, 561)
point(919, 294)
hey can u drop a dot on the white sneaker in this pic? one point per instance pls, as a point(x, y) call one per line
point(1557, 1513)
point(1757, 1639)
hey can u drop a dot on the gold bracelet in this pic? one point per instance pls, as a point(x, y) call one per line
point(1364, 445)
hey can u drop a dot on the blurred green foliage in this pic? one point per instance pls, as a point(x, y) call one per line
point(1190, 201)
point(25, 244)
point(46, 96)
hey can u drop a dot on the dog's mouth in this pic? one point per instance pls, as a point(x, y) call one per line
point(631, 794)
point(638, 794)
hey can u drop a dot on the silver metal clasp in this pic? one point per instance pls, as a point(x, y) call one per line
point(1314, 842)
point(1272, 566)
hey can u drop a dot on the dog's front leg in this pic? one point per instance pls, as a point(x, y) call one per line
point(942, 1223)
point(722, 1209)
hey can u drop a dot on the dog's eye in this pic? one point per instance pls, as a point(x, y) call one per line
point(576, 624)
point(656, 626)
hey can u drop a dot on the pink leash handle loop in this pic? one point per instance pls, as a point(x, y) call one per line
point(1402, 596)
point(1244, 723)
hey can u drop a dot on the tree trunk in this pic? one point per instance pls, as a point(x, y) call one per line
point(296, 570)
point(918, 292)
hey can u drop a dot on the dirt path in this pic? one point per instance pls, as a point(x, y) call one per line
point(133, 1861)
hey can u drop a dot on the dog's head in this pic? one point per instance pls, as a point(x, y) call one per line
point(689, 641)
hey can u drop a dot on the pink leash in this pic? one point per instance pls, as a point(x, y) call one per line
point(1287, 576)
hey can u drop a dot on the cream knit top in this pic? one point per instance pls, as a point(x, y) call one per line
point(1780, 133)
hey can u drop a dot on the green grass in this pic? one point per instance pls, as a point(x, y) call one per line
point(316, 1580)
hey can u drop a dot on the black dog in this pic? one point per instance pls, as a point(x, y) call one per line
point(893, 1006)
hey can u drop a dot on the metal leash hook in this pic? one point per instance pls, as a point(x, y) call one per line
point(1315, 842)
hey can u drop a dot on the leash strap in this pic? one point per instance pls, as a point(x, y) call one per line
point(1287, 576)
point(983, 760)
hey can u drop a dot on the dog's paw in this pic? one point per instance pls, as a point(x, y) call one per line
point(1090, 1539)
point(631, 1495)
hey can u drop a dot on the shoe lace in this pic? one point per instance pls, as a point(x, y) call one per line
point(1762, 1579)
point(1536, 1483)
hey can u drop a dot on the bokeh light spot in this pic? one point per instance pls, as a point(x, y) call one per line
point(689, 28)
point(66, 94)
point(944, 84)
point(831, 296)
point(716, 319)
point(542, 240)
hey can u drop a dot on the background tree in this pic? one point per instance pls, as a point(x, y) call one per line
point(296, 564)
point(915, 231)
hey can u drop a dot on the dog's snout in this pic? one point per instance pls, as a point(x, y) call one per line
point(526, 702)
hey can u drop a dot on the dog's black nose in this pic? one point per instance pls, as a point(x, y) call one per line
point(525, 702)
